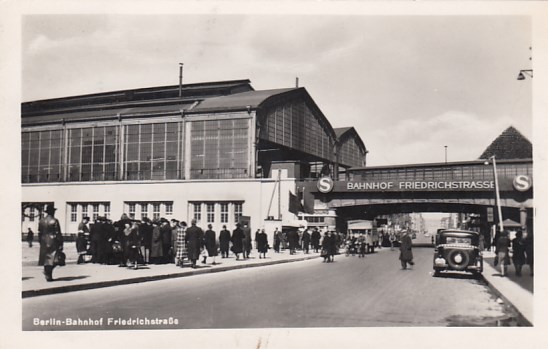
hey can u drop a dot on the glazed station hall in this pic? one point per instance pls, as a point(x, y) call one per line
point(219, 152)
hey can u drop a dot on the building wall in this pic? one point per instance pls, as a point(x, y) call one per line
point(256, 196)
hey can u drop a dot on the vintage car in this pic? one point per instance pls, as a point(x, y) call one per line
point(457, 250)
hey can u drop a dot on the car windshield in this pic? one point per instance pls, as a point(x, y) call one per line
point(458, 240)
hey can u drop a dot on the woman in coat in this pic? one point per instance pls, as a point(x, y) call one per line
point(406, 254)
point(210, 242)
point(518, 252)
point(156, 251)
point(181, 250)
point(51, 240)
point(262, 244)
point(326, 245)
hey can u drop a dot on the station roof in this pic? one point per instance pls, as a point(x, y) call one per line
point(511, 144)
point(343, 132)
point(243, 100)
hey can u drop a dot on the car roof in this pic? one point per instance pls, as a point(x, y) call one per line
point(457, 232)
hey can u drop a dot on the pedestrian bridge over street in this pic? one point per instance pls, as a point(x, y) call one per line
point(467, 187)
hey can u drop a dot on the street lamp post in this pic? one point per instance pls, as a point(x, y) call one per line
point(497, 192)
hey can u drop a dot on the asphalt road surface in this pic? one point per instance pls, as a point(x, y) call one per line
point(351, 292)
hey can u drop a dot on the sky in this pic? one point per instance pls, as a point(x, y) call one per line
point(410, 85)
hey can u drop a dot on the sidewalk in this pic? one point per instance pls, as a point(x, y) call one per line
point(76, 277)
point(514, 290)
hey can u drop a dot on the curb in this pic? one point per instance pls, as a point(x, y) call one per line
point(101, 284)
point(498, 293)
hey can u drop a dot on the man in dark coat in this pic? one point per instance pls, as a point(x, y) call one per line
point(262, 244)
point(166, 232)
point(156, 251)
point(224, 241)
point(246, 241)
point(51, 240)
point(194, 238)
point(315, 239)
point(98, 242)
point(30, 237)
point(210, 242)
point(306, 241)
point(406, 254)
point(293, 239)
point(237, 241)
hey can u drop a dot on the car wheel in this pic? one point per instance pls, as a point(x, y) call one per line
point(457, 259)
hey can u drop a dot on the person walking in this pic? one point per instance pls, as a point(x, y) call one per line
point(146, 238)
point(156, 252)
point(406, 254)
point(392, 239)
point(529, 249)
point(166, 232)
point(181, 251)
point(30, 237)
point(502, 251)
point(333, 242)
point(306, 241)
point(224, 242)
point(262, 244)
point(293, 239)
point(277, 240)
point(361, 245)
point(51, 240)
point(82, 240)
point(315, 239)
point(210, 242)
point(237, 241)
point(194, 240)
point(325, 247)
point(518, 252)
point(246, 241)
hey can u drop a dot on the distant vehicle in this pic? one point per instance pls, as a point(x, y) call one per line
point(457, 250)
point(371, 234)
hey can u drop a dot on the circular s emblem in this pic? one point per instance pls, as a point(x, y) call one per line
point(522, 183)
point(325, 185)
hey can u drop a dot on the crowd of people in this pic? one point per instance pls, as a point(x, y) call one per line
point(128, 242)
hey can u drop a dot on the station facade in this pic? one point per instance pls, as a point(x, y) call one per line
point(218, 152)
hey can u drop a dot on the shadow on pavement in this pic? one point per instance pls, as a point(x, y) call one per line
point(71, 278)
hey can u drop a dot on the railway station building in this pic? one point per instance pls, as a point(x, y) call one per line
point(219, 152)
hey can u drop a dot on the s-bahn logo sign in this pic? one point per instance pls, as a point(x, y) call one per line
point(325, 185)
point(522, 183)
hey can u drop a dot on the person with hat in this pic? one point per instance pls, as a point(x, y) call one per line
point(237, 241)
point(406, 254)
point(194, 239)
point(210, 243)
point(224, 242)
point(51, 240)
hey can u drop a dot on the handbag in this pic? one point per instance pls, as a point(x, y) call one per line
point(59, 258)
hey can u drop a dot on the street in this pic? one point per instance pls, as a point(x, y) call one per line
point(351, 292)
